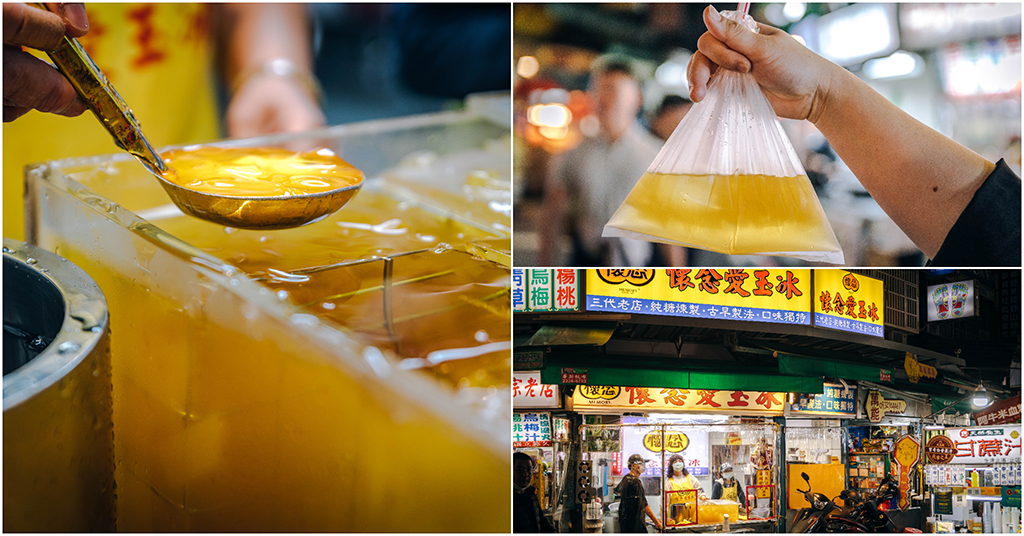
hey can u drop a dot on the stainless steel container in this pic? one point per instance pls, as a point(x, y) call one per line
point(58, 428)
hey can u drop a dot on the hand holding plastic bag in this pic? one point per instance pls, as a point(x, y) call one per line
point(728, 180)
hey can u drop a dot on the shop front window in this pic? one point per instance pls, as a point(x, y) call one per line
point(695, 476)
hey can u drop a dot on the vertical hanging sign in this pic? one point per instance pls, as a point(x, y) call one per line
point(906, 453)
point(518, 290)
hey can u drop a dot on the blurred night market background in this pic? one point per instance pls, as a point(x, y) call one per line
point(954, 67)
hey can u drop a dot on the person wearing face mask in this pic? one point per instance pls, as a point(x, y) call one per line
point(527, 515)
point(680, 479)
point(728, 487)
point(632, 499)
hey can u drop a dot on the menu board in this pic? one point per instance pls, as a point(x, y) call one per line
point(944, 502)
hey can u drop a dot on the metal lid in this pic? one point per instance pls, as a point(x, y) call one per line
point(50, 284)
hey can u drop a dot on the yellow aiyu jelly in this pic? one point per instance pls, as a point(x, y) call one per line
point(732, 214)
point(259, 172)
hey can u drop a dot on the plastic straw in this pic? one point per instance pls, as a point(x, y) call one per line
point(743, 7)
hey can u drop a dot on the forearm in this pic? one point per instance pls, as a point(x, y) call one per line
point(921, 179)
point(253, 34)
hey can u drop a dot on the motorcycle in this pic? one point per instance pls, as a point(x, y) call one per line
point(865, 510)
point(859, 514)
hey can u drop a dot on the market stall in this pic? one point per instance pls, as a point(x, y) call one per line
point(973, 478)
point(708, 466)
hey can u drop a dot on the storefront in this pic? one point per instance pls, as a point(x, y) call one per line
point(541, 430)
point(706, 431)
point(973, 478)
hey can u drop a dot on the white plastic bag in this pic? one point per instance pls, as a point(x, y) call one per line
point(728, 180)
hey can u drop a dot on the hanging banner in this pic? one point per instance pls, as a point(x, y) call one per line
point(658, 399)
point(877, 406)
point(906, 453)
point(545, 290)
point(1002, 412)
point(528, 392)
point(848, 302)
point(777, 296)
point(530, 430)
point(835, 400)
point(950, 301)
point(985, 445)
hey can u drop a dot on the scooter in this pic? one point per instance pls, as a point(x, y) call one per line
point(817, 518)
point(865, 509)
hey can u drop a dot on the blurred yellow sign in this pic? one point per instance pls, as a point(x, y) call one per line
point(674, 441)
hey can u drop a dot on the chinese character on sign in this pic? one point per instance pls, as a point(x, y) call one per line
point(990, 447)
point(826, 301)
point(709, 280)
point(967, 450)
point(767, 399)
point(676, 397)
point(639, 395)
point(739, 398)
point(873, 312)
point(762, 286)
point(679, 279)
point(1010, 445)
point(531, 384)
point(515, 386)
point(735, 279)
point(787, 285)
point(707, 398)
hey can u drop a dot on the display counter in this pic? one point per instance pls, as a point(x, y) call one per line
point(282, 380)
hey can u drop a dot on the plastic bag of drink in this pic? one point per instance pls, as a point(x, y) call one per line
point(728, 180)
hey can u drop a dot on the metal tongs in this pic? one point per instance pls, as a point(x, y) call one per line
point(104, 101)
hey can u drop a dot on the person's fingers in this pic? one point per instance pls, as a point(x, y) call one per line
point(13, 112)
point(76, 21)
point(32, 27)
point(699, 73)
point(720, 54)
point(733, 35)
point(31, 83)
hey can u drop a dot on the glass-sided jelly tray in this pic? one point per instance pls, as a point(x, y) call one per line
point(293, 380)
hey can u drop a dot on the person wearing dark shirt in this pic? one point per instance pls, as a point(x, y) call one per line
point(527, 515)
point(728, 487)
point(632, 499)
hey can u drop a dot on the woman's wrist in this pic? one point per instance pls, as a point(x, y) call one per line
point(284, 68)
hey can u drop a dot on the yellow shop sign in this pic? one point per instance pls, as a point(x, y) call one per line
point(847, 301)
point(768, 295)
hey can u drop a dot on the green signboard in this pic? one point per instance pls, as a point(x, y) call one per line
point(527, 360)
point(944, 502)
point(1011, 496)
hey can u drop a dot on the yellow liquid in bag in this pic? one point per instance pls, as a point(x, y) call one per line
point(732, 214)
point(259, 172)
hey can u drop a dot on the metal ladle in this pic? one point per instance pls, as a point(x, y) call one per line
point(271, 212)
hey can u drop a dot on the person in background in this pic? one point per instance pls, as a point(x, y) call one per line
point(161, 59)
point(632, 499)
point(589, 182)
point(670, 112)
point(680, 479)
point(956, 206)
point(727, 487)
point(527, 515)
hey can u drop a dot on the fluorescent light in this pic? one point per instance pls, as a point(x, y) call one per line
point(980, 398)
point(794, 11)
point(858, 32)
point(934, 427)
point(898, 65)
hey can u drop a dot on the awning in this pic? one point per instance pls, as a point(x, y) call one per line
point(579, 333)
point(685, 379)
point(816, 366)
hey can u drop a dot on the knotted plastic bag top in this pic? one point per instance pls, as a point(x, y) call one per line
point(729, 180)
